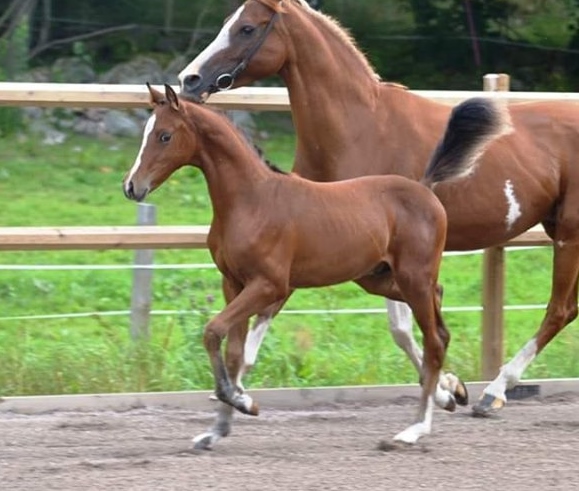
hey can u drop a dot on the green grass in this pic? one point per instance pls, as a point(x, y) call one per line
point(78, 183)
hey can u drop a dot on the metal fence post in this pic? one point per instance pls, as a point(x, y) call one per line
point(141, 297)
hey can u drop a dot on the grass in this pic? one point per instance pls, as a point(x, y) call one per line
point(78, 183)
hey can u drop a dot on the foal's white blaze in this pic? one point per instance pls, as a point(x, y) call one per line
point(221, 42)
point(514, 211)
point(148, 128)
point(511, 373)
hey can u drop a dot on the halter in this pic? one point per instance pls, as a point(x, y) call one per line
point(229, 78)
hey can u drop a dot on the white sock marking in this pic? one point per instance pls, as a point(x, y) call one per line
point(148, 129)
point(511, 373)
point(221, 42)
point(514, 207)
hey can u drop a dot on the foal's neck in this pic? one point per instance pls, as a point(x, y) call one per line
point(231, 167)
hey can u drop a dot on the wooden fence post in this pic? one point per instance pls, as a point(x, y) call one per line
point(142, 279)
point(492, 355)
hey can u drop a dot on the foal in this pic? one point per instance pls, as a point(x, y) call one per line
point(274, 232)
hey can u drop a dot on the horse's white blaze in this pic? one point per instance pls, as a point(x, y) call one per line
point(221, 42)
point(148, 128)
point(511, 373)
point(514, 211)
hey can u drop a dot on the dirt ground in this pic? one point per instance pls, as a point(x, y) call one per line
point(532, 445)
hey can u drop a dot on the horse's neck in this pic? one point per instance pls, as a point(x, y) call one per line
point(341, 112)
point(231, 167)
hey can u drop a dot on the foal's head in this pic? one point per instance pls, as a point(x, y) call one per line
point(169, 142)
point(247, 48)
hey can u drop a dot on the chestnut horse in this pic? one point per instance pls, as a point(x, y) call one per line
point(273, 232)
point(349, 123)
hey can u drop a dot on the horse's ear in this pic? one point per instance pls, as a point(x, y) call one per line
point(156, 96)
point(171, 97)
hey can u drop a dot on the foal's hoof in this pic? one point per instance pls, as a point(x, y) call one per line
point(487, 405)
point(245, 404)
point(204, 441)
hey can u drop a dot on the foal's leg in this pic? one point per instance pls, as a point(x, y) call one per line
point(425, 307)
point(561, 310)
point(400, 322)
point(254, 298)
point(234, 352)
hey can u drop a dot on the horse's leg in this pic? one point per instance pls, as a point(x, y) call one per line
point(256, 336)
point(400, 322)
point(222, 426)
point(425, 308)
point(561, 310)
point(255, 297)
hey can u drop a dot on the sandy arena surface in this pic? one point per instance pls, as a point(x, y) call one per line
point(532, 445)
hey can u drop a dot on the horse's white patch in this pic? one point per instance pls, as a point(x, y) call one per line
point(148, 128)
point(254, 339)
point(514, 211)
point(511, 373)
point(221, 42)
point(560, 243)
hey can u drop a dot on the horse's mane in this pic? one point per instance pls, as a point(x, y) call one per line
point(333, 26)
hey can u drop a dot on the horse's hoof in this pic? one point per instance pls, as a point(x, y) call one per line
point(246, 405)
point(450, 405)
point(487, 405)
point(203, 442)
point(461, 394)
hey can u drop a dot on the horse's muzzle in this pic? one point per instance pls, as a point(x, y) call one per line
point(191, 87)
point(131, 193)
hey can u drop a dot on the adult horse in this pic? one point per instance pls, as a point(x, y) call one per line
point(273, 232)
point(349, 123)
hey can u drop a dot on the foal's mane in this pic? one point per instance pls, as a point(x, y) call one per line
point(333, 26)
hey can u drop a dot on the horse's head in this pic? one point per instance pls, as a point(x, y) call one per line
point(247, 48)
point(168, 144)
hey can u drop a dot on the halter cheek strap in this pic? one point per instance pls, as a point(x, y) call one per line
point(226, 80)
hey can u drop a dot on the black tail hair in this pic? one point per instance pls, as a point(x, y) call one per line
point(473, 124)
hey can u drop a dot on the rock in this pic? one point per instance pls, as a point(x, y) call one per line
point(137, 71)
point(119, 123)
point(72, 70)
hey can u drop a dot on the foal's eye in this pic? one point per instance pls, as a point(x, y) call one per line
point(247, 30)
point(165, 137)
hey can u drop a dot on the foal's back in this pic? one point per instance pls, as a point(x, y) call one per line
point(355, 225)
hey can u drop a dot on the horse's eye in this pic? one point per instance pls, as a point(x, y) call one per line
point(247, 30)
point(165, 137)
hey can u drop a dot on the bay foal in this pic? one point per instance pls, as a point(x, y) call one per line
point(274, 232)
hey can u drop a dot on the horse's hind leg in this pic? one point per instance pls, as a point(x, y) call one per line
point(425, 306)
point(562, 310)
point(449, 387)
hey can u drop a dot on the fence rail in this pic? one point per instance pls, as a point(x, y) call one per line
point(252, 99)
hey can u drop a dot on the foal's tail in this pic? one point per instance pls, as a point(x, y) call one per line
point(473, 125)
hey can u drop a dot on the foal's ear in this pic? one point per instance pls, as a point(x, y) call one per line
point(156, 96)
point(171, 97)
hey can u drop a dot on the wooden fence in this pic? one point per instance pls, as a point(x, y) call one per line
point(252, 99)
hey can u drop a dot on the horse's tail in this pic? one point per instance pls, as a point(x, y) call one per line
point(473, 125)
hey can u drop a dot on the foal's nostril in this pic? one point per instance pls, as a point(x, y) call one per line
point(192, 82)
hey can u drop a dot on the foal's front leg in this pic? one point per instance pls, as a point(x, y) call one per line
point(255, 297)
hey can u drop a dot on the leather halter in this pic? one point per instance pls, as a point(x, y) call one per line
point(248, 56)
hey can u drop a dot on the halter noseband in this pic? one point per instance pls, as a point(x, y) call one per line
point(229, 78)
